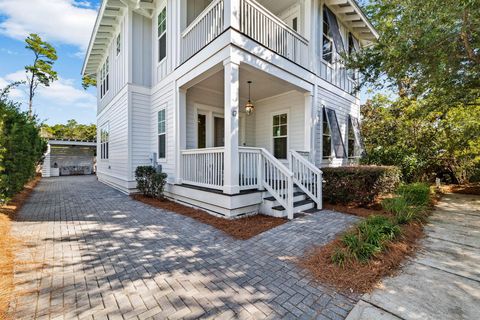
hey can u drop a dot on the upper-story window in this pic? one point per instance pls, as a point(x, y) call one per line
point(104, 78)
point(119, 43)
point(162, 34)
point(327, 47)
point(331, 36)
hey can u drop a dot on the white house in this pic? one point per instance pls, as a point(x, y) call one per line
point(239, 101)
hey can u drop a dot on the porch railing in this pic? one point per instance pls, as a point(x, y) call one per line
point(338, 75)
point(203, 30)
point(306, 176)
point(203, 167)
point(266, 28)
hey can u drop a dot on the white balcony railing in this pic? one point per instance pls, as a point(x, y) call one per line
point(266, 28)
point(203, 30)
point(338, 75)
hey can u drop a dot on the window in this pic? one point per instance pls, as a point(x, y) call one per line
point(327, 48)
point(295, 24)
point(327, 137)
point(104, 79)
point(162, 34)
point(336, 135)
point(162, 133)
point(119, 44)
point(104, 141)
point(202, 131)
point(351, 140)
point(280, 135)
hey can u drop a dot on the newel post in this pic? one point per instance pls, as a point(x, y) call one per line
point(232, 14)
point(231, 155)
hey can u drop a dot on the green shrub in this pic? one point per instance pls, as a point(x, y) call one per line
point(416, 194)
point(21, 149)
point(395, 205)
point(150, 182)
point(359, 184)
point(368, 239)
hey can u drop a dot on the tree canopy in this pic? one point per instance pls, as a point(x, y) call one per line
point(427, 49)
point(71, 130)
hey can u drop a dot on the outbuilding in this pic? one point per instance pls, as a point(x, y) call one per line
point(69, 157)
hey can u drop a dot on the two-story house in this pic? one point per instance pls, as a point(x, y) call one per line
point(239, 101)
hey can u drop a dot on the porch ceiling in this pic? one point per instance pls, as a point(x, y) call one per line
point(263, 84)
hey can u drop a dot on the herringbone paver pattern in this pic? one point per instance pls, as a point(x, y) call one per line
point(100, 255)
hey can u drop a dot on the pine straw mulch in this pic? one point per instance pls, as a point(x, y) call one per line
point(473, 189)
point(241, 228)
point(362, 277)
point(364, 212)
point(9, 244)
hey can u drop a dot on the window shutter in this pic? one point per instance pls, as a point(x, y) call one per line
point(337, 139)
point(358, 136)
point(337, 37)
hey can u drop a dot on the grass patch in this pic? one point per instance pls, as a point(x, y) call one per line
point(376, 246)
point(241, 228)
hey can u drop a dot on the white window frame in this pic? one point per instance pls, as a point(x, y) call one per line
point(118, 43)
point(330, 38)
point(272, 138)
point(104, 78)
point(105, 141)
point(164, 33)
point(164, 109)
point(324, 118)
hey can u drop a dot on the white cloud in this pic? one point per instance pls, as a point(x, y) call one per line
point(63, 21)
point(61, 94)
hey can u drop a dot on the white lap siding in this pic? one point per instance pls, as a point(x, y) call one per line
point(164, 97)
point(343, 107)
point(140, 128)
point(114, 170)
point(291, 102)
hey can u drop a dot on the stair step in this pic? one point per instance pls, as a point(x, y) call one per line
point(295, 194)
point(295, 204)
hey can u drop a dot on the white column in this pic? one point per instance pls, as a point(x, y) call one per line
point(232, 14)
point(180, 130)
point(309, 122)
point(231, 157)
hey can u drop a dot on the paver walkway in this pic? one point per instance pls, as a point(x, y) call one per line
point(98, 255)
point(443, 280)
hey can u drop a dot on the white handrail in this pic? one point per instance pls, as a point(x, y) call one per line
point(203, 167)
point(306, 176)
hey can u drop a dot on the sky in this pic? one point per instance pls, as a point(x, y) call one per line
point(67, 25)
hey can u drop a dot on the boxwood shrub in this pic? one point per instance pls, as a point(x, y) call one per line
point(150, 182)
point(359, 185)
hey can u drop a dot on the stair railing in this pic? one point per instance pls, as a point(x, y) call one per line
point(306, 176)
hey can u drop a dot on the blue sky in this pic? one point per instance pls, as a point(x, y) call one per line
point(67, 25)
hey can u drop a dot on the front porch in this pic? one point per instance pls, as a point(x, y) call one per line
point(268, 150)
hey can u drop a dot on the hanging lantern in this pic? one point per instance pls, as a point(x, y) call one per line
point(249, 107)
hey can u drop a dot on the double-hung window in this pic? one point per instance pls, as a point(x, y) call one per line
point(327, 46)
point(104, 78)
point(162, 34)
point(355, 141)
point(104, 141)
point(327, 137)
point(162, 134)
point(351, 140)
point(280, 136)
point(119, 43)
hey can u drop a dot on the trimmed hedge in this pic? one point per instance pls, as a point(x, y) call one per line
point(21, 149)
point(359, 185)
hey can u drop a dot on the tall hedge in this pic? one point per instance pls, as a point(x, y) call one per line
point(359, 185)
point(21, 149)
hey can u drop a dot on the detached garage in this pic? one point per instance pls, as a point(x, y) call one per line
point(69, 157)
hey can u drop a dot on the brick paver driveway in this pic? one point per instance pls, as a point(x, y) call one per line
point(98, 254)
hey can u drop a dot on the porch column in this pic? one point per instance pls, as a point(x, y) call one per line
point(231, 157)
point(309, 122)
point(181, 131)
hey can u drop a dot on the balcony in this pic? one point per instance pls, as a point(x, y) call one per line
point(255, 21)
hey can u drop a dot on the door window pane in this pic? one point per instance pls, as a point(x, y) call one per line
point(202, 131)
